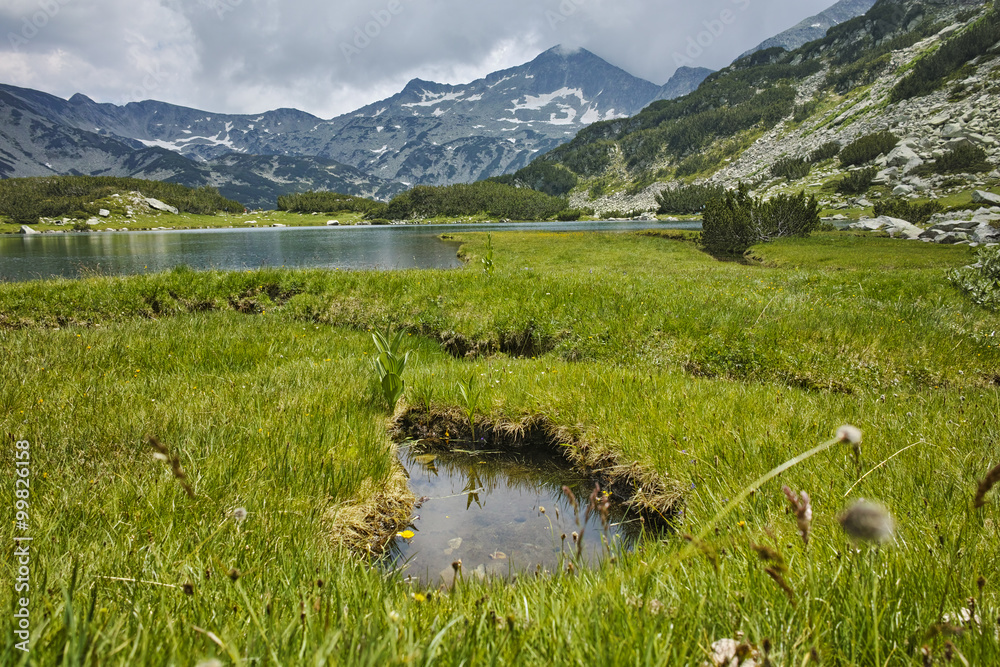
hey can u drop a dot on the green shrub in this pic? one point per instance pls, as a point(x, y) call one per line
point(804, 111)
point(544, 176)
point(981, 281)
point(963, 159)
point(904, 210)
point(792, 169)
point(58, 196)
point(688, 199)
point(571, 214)
point(20, 206)
point(694, 164)
point(485, 197)
point(857, 182)
point(827, 151)
point(737, 221)
point(329, 202)
point(867, 148)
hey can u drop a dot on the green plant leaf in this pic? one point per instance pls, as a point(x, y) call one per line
point(392, 388)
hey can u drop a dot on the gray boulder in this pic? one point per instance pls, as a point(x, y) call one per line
point(986, 233)
point(983, 197)
point(904, 157)
point(104, 213)
point(901, 228)
point(956, 225)
point(157, 205)
point(953, 131)
point(28, 231)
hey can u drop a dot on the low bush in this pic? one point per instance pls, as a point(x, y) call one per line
point(20, 207)
point(571, 214)
point(857, 182)
point(904, 210)
point(60, 196)
point(489, 198)
point(963, 159)
point(792, 169)
point(981, 281)
point(328, 202)
point(827, 151)
point(737, 221)
point(694, 164)
point(688, 199)
point(867, 148)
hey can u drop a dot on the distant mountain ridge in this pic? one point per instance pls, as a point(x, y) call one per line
point(33, 144)
point(815, 27)
point(428, 133)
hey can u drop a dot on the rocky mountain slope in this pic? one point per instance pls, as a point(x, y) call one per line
point(784, 106)
point(684, 81)
point(814, 27)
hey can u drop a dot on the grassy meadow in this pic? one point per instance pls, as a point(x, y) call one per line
point(249, 544)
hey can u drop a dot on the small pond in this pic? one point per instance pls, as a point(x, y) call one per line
point(501, 514)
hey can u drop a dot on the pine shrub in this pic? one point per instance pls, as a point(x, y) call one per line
point(688, 199)
point(857, 182)
point(981, 281)
point(792, 169)
point(827, 151)
point(867, 148)
point(737, 221)
point(904, 210)
point(963, 159)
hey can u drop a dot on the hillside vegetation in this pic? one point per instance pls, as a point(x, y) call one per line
point(25, 200)
point(775, 119)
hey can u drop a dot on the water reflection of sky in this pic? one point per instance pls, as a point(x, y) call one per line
point(486, 511)
point(380, 248)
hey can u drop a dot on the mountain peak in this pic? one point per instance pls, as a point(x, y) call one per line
point(80, 98)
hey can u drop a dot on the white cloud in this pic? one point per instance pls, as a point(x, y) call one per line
point(327, 58)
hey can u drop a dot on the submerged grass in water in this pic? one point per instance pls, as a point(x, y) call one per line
point(647, 350)
point(503, 515)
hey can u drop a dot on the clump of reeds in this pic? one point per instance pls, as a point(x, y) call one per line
point(163, 453)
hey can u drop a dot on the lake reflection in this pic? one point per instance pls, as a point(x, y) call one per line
point(379, 248)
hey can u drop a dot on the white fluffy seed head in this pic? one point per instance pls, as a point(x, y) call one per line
point(848, 433)
point(868, 521)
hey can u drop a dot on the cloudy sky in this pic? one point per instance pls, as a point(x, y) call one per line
point(328, 58)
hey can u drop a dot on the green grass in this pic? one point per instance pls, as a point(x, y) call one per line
point(709, 373)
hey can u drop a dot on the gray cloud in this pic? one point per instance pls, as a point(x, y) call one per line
point(329, 58)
